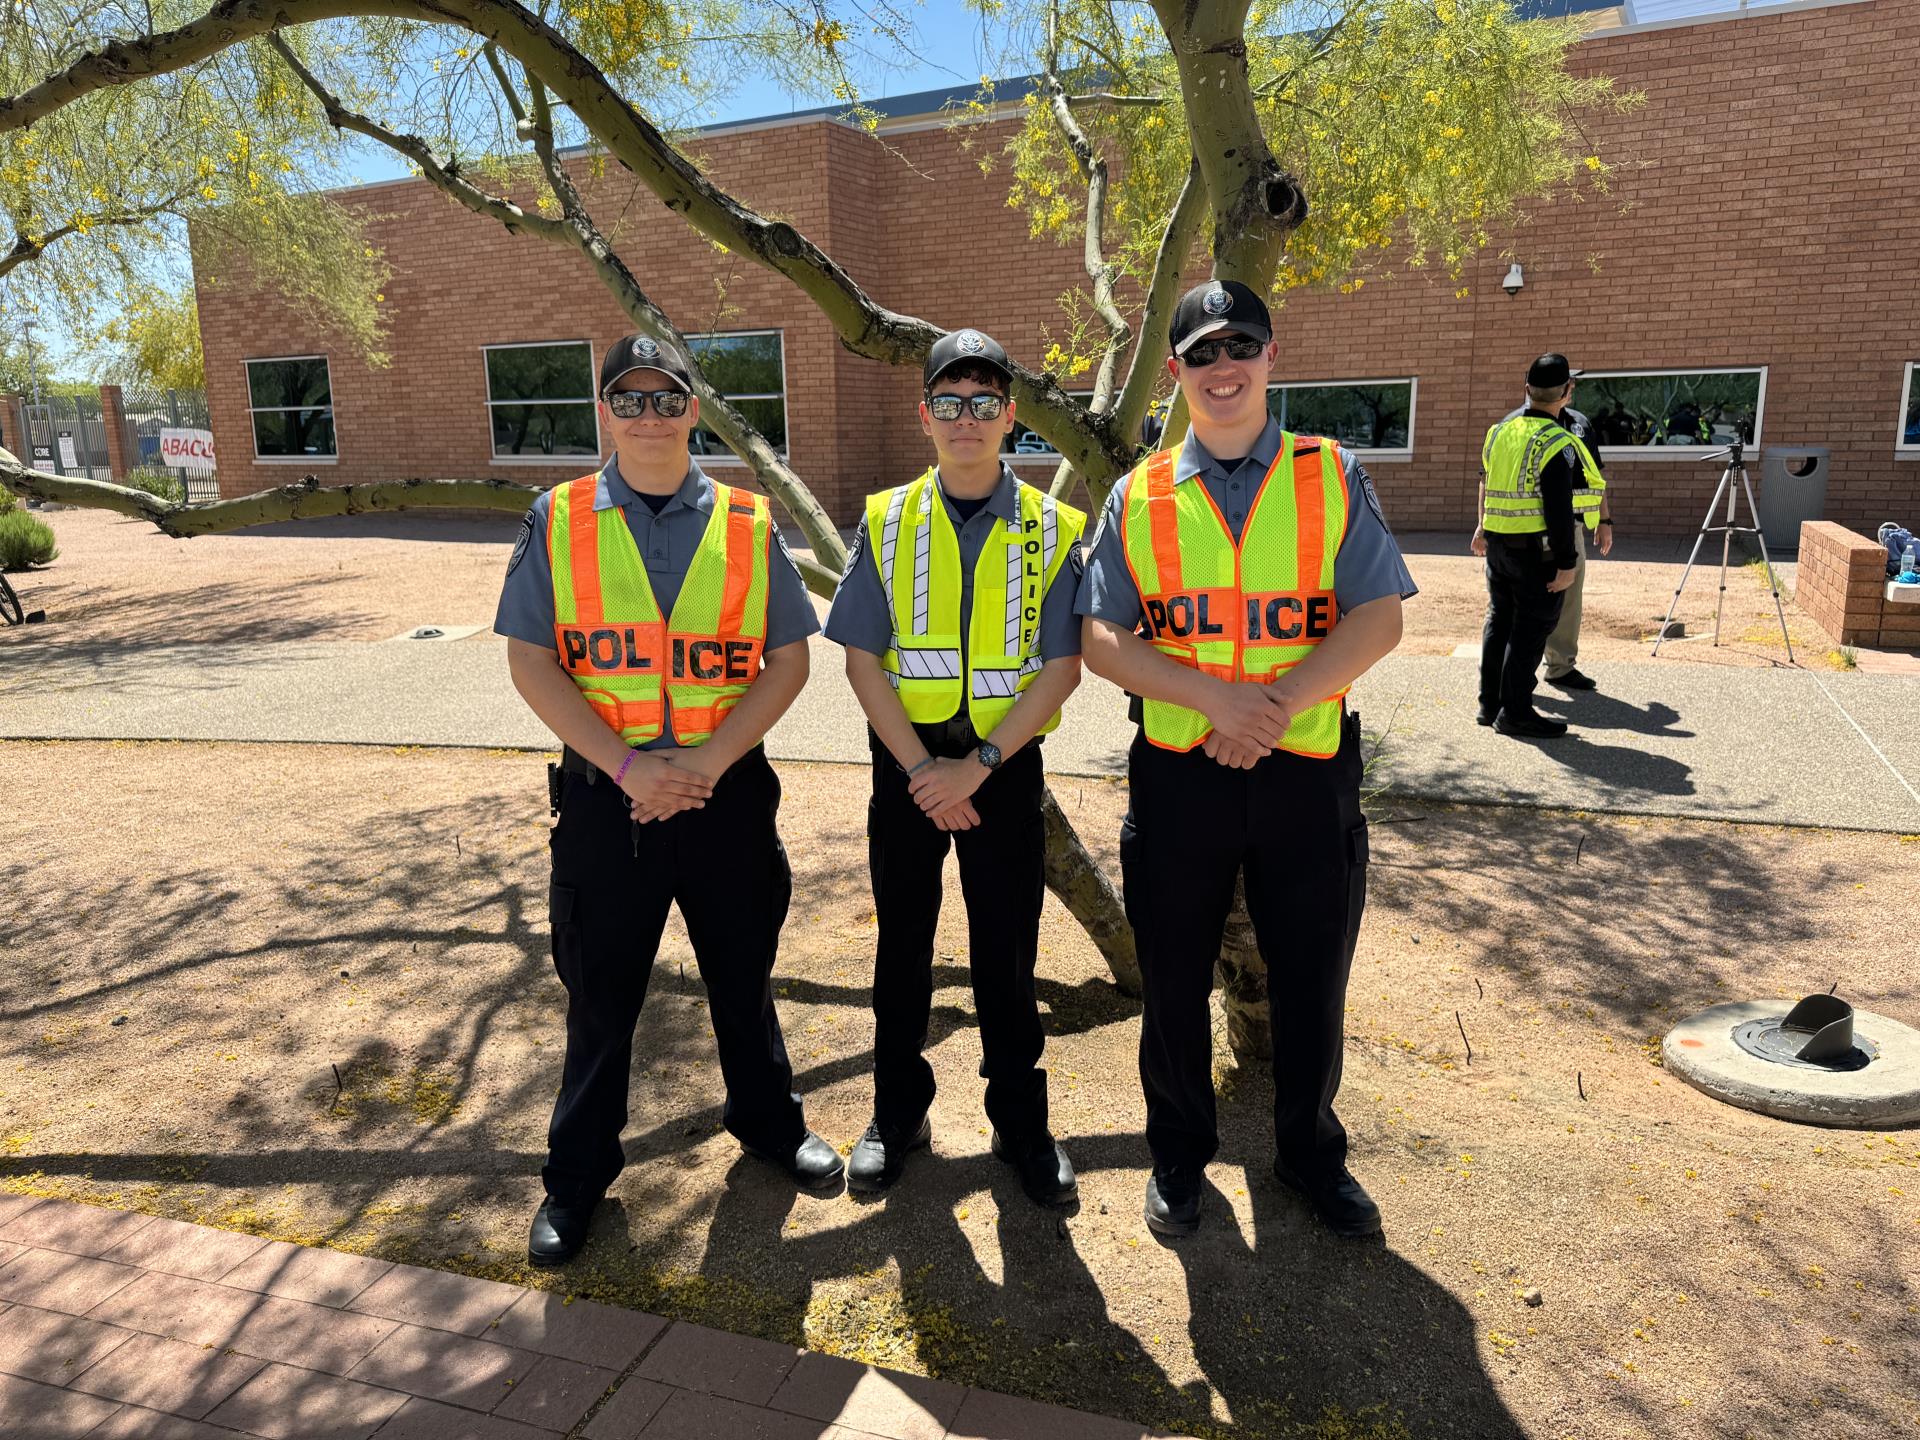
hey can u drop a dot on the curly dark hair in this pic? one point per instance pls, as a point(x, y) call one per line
point(973, 370)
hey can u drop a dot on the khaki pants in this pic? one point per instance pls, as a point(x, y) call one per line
point(1563, 645)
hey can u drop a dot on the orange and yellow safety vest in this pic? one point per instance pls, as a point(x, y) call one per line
point(1246, 611)
point(609, 632)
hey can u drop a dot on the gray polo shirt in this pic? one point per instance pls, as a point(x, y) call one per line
point(666, 542)
point(1367, 567)
point(861, 620)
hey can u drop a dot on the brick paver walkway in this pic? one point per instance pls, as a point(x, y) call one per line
point(114, 1324)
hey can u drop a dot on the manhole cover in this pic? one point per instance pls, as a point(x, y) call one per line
point(1821, 1061)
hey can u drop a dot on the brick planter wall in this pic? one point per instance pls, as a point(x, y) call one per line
point(1842, 585)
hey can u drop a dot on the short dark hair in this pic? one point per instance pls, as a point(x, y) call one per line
point(975, 371)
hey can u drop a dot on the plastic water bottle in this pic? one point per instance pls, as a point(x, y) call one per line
point(1910, 566)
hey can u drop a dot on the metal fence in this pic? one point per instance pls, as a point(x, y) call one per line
point(146, 413)
point(66, 435)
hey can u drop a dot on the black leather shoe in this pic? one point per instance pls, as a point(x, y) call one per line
point(1173, 1203)
point(1574, 680)
point(1046, 1174)
point(1486, 716)
point(558, 1231)
point(1340, 1201)
point(814, 1164)
point(877, 1161)
point(1530, 727)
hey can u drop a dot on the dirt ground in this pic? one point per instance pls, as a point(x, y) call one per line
point(373, 577)
point(341, 1027)
point(380, 913)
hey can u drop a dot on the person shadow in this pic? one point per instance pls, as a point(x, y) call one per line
point(1591, 710)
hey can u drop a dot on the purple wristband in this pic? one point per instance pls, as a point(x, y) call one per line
point(621, 773)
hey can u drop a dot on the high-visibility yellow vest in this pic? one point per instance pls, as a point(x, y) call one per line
point(917, 552)
point(609, 632)
point(1245, 612)
point(1514, 456)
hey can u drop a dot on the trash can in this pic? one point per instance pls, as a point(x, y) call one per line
point(1793, 487)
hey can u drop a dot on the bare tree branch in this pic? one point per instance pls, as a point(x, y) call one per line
point(1107, 97)
point(1176, 244)
point(27, 248)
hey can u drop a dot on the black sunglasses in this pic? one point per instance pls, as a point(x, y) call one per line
point(631, 404)
point(1207, 352)
point(984, 407)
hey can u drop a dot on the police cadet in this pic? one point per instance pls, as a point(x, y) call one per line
point(961, 645)
point(657, 625)
point(1594, 512)
point(1538, 477)
point(1239, 583)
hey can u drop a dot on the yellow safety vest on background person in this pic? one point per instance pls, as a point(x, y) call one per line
point(917, 551)
point(1515, 454)
point(1242, 612)
point(609, 632)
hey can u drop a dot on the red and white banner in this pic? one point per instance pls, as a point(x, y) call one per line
point(187, 449)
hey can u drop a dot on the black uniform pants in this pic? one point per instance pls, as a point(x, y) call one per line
point(1521, 614)
point(1293, 824)
point(612, 884)
point(1002, 879)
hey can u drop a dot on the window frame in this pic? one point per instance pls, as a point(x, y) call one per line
point(1390, 455)
point(253, 434)
point(593, 403)
point(1903, 448)
point(725, 456)
point(1049, 456)
point(1679, 452)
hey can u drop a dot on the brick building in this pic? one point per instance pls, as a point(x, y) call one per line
point(1758, 270)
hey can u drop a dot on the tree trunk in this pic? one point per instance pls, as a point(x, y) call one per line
point(1083, 887)
point(1243, 984)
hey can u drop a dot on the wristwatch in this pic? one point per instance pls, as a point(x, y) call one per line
point(988, 755)
point(1604, 520)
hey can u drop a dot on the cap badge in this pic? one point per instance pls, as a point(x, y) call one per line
point(970, 342)
point(1216, 301)
point(645, 349)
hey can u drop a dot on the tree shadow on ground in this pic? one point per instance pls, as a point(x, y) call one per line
point(102, 627)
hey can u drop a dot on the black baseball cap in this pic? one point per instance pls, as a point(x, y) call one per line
point(962, 347)
point(1215, 306)
point(643, 352)
point(1550, 371)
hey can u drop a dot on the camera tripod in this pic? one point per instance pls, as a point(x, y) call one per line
point(1736, 465)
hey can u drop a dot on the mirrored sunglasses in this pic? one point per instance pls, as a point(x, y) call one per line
point(984, 407)
point(631, 404)
point(1238, 347)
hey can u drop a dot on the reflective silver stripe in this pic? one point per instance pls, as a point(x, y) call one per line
point(1015, 574)
point(996, 684)
point(1513, 511)
point(889, 538)
point(929, 664)
point(922, 564)
point(1049, 532)
point(1031, 665)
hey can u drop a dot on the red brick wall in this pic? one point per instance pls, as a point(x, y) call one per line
point(1766, 212)
point(1841, 582)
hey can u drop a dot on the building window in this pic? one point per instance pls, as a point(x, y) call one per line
point(1655, 410)
point(1022, 441)
point(1910, 410)
point(540, 402)
point(292, 404)
point(749, 369)
point(1368, 416)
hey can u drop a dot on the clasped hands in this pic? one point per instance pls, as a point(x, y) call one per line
point(661, 783)
point(943, 789)
point(1248, 717)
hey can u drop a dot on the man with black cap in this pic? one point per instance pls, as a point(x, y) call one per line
point(956, 612)
point(1537, 474)
point(657, 625)
point(1592, 511)
point(1240, 582)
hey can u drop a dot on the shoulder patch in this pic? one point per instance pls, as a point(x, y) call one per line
point(521, 543)
point(1373, 500)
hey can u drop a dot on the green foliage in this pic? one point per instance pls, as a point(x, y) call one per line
point(154, 343)
point(24, 541)
point(8, 502)
point(159, 482)
point(1413, 127)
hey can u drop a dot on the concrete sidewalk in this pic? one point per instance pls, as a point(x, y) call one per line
point(1663, 737)
point(114, 1324)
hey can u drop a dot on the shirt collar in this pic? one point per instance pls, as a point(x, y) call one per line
point(695, 492)
point(1004, 499)
point(1195, 459)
